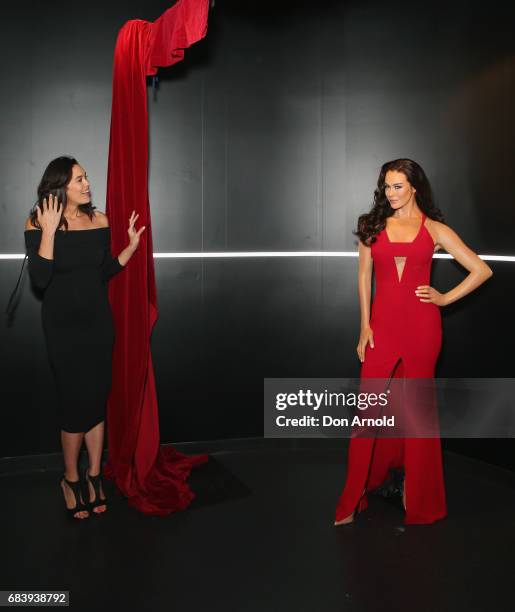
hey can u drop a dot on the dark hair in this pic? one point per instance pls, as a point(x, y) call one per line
point(55, 178)
point(370, 224)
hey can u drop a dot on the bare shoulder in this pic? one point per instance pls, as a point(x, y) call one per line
point(442, 230)
point(101, 218)
point(437, 231)
point(443, 235)
point(28, 224)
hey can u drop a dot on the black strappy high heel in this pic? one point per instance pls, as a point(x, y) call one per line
point(98, 501)
point(79, 505)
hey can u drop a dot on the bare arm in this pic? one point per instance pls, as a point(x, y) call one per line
point(365, 292)
point(479, 271)
point(364, 283)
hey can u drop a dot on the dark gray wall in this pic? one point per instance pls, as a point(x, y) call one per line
point(268, 137)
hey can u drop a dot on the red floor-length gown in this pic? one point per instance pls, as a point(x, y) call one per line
point(405, 328)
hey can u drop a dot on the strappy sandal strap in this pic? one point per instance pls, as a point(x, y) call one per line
point(75, 487)
point(95, 481)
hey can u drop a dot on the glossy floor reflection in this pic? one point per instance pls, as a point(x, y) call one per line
point(270, 546)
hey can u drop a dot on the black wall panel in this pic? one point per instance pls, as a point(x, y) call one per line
point(268, 137)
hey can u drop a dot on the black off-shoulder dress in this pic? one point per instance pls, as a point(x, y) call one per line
point(77, 320)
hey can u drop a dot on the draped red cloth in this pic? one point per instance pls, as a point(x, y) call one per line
point(153, 478)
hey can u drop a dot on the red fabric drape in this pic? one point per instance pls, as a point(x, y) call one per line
point(152, 477)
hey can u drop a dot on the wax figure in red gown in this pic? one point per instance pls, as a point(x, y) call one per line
point(152, 477)
point(407, 328)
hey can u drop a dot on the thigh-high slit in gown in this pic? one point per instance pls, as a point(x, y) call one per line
point(407, 342)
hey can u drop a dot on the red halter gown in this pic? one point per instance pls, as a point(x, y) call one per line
point(405, 328)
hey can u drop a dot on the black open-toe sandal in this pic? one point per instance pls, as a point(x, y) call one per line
point(79, 505)
point(98, 501)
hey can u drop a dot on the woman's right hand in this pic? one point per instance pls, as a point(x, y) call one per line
point(367, 335)
point(50, 217)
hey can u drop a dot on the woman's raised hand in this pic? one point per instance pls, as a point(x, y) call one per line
point(366, 336)
point(50, 217)
point(133, 234)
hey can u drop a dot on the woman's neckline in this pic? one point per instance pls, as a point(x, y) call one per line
point(91, 229)
point(407, 241)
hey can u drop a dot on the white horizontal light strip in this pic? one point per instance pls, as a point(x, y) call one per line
point(240, 254)
point(304, 254)
point(256, 254)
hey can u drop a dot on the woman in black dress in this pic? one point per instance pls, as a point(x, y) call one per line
point(70, 260)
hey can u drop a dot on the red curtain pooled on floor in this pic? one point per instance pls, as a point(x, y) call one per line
point(153, 478)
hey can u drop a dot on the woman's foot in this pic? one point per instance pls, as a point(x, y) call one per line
point(98, 509)
point(349, 519)
point(72, 502)
point(346, 520)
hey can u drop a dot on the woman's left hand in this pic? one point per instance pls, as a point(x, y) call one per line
point(134, 235)
point(430, 295)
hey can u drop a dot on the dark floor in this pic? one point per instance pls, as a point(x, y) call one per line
point(274, 549)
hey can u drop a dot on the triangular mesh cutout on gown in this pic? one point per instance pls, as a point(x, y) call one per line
point(400, 263)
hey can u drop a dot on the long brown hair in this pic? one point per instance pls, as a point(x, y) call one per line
point(371, 223)
point(55, 178)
